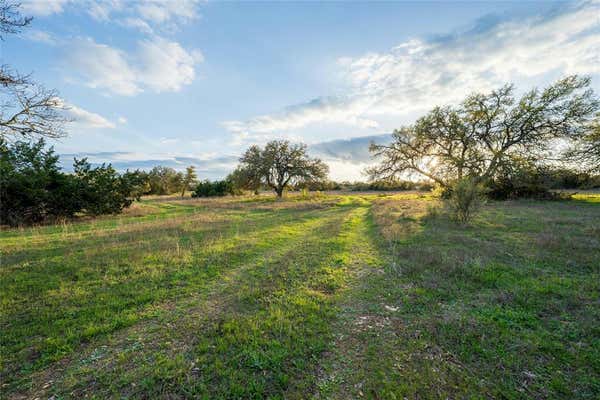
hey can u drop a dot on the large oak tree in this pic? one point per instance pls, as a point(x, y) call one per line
point(279, 164)
point(488, 132)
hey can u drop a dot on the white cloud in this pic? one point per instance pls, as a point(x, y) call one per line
point(101, 10)
point(102, 66)
point(139, 14)
point(40, 37)
point(162, 11)
point(418, 74)
point(44, 8)
point(329, 109)
point(166, 140)
point(122, 120)
point(157, 64)
point(82, 118)
point(137, 23)
point(163, 65)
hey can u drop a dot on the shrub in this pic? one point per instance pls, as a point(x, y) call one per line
point(207, 188)
point(465, 199)
point(102, 190)
point(34, 190)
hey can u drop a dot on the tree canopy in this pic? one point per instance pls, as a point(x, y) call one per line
point(585, 150)
point(278, 165)
point(487, 132)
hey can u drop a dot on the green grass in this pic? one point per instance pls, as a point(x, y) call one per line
point(361, 296)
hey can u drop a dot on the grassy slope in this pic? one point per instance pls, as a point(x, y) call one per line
point(334, 297)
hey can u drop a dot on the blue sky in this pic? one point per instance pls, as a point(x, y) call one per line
point(190, 82)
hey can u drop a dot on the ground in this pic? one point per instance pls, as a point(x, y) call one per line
point(322, 296)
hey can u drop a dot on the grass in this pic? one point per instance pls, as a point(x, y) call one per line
point(328, 296)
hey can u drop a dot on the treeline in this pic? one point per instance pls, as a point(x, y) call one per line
point(383, 185)
point(165, 180)
point(34, 189)
point(229, 186)
point(539, 181)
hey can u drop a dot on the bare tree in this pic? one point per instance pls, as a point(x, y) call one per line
point(27, 109)
point(486, 131)
point(280, 164)
point(11, 20)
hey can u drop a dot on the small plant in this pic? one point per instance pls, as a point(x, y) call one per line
point(465, 199)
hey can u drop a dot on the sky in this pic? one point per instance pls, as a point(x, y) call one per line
point(189, 82)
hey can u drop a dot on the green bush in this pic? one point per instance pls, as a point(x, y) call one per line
point(207, 188)
point(34, 190)
point(101, 189)
point(466, 197)
point(531, 181)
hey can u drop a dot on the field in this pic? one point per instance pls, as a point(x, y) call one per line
point(328, 296)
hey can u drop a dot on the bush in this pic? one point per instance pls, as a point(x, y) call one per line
point(34, 190)
point(465, 199)
point(102, 190)
point(207, 188)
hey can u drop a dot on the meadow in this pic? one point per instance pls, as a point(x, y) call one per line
point(325, 296)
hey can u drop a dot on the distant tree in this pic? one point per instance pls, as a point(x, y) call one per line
point(280, 164)
point(245, 179)
point(164, 180)
point(189, 179)
point(487, 132)
point(27, 109)
point(137, 182)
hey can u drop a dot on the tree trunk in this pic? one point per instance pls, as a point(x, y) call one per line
point(279, 192)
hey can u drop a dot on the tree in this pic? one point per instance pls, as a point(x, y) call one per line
point(101, 189)
point(279, 164)
point(189, 178)
point(245, 179)
point(27, 109)
point(164, 180)
point(486, 132)
point(11, 20)
point(32, 188)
